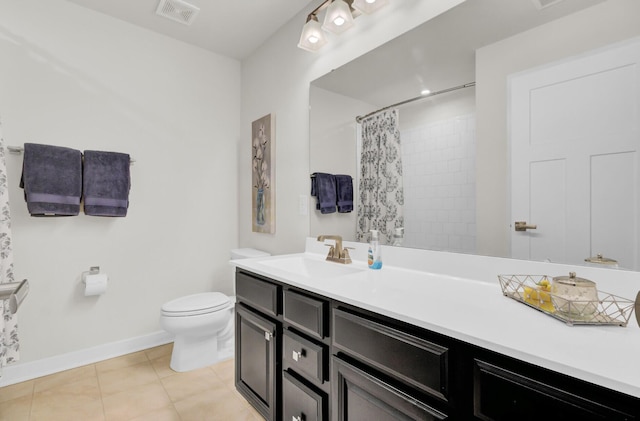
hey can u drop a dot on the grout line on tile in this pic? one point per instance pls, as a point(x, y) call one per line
point(104, 414)
point(221, 374)
point(173, 404)
point(33, 393)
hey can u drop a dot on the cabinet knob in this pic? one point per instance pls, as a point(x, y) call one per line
point(296, 355)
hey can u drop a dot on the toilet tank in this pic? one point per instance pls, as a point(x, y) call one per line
point(247, 253)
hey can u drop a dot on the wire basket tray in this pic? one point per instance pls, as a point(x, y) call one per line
point(535, 291)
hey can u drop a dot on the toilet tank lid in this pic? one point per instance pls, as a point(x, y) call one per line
point(246, 253)
point(203, 301)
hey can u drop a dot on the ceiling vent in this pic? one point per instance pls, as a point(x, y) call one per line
point(177, 10)
point(543, 4)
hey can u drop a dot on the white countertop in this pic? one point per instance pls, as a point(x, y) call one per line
point(476, 311)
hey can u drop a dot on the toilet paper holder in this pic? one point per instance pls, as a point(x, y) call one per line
point(93, 270)
point(94, 282)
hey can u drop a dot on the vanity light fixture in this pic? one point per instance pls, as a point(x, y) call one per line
point(312, 38)
point(369, 6)
point(339, 17)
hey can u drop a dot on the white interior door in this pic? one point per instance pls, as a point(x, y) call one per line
point(574, 135)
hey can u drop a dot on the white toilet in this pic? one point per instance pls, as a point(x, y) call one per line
point(202, 324)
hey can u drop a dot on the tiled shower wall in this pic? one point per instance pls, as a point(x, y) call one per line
point(439, 182)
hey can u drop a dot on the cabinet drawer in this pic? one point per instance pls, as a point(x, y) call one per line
point(413, 360)
point(260, 294)
point(306, 313)
point(501, 394)
point(305, 356)
point(358, 395)
point(300, 402)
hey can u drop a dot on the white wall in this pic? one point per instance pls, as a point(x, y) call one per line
point(333, 150)
point(76, 78)
point(276, 79)
point(595, 27)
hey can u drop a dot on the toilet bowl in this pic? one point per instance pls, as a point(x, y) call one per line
point(202, 325)
point(196, 321)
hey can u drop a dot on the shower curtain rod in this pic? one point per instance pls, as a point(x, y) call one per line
point(443, 91)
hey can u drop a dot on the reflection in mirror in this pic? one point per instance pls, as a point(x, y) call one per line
point(455, 146)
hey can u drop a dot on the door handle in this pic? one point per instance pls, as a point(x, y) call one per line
point(523, 226)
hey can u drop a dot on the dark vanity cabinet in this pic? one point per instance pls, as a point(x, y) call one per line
point(362, 396)
point(304, 357)
point(377, 368)
point(507, 389)
point(257, 343)
point(282, 349)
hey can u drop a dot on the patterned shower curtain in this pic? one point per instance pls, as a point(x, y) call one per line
point(9, 344)
point(380, 187)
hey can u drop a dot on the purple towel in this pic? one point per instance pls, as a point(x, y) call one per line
point(52, 180)
point(323, 187)
point(344, 193)
point(106, 183)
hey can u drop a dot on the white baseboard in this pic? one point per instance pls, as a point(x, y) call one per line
point(20, 372)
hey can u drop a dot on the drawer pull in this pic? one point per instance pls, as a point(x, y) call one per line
point(296, 355)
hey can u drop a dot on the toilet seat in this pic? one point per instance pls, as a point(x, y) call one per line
point(196, 304)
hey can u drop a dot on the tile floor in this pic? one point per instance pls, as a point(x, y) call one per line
point(138, 386)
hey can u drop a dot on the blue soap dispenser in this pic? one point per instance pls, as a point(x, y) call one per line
point(374, 256)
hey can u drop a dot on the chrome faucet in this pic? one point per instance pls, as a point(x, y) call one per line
point(336, 252)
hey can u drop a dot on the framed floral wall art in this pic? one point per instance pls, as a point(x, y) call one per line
point(263, 197)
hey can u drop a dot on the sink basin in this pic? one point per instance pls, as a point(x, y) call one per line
point(311, 268)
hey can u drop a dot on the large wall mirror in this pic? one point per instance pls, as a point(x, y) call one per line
point(458, 147)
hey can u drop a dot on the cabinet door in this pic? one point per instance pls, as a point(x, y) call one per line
point(501, 394)
point(306, 313)
point(301, 402)
point(304, 356)
point(257, 363)
point(258, 293)
point(359, 396)
point(413, 360)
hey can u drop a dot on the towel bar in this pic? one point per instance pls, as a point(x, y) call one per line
point(19, 149)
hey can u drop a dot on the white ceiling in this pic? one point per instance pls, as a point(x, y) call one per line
point(233, 28)
point(439, 54)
